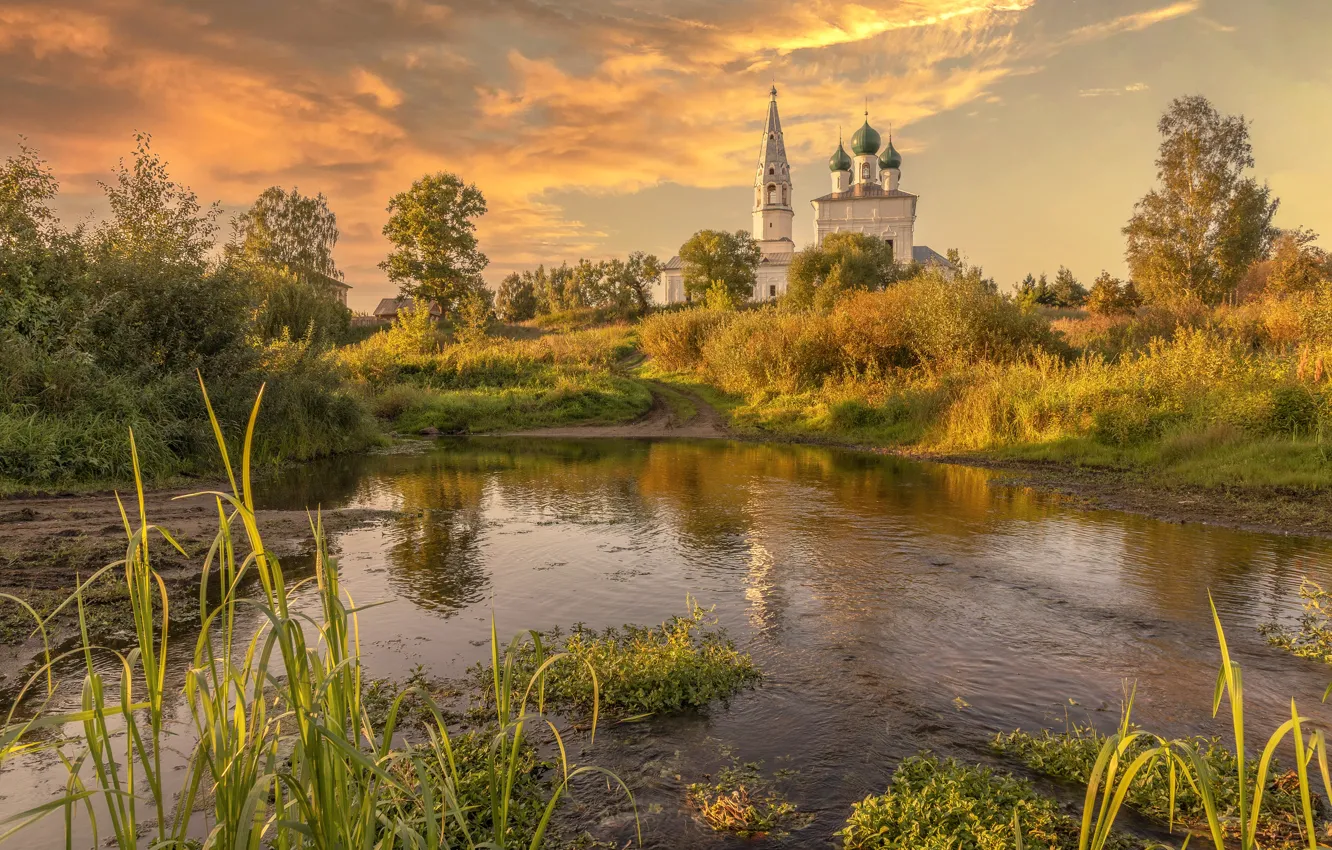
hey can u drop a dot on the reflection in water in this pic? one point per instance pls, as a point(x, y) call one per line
point(873, 590)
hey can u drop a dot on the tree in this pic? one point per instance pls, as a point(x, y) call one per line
point(844, 262)
point(516, 300)
point(153, 219)
point(1067, 291)
point(475, 315)
point(287, 230)
point(715, 255)
point(1199, 231)
point(433, 230)
point(627, 282)
point(1032, 291)
point(1109, 296)
point(1296, 264)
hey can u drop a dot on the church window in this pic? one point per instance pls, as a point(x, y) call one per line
point(772, 194)
point(864, 171)
point(771, 170)
point(783, 194)
point(772, 290)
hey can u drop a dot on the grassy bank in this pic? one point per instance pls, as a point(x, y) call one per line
point(417, 379)
point(1235, 397)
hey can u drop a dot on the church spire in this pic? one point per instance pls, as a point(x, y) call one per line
point(773, 211)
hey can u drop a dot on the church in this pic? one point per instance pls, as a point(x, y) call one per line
point(865, 198)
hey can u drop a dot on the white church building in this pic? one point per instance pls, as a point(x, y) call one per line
point(865, 198)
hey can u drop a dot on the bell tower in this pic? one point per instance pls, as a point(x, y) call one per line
point(773, 211)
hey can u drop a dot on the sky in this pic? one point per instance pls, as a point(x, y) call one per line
point(599, 127)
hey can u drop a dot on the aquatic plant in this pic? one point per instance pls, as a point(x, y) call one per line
point(287, 754)
point(686, 662)
point(941, 804)
point(1071, 756)
point(741, 801)
point(1313, 638)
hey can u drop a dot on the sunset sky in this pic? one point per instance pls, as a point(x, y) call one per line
point(598, 127)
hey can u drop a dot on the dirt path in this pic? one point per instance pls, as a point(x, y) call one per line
point(675, 412)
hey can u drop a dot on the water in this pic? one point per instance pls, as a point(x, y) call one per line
point(894, 606)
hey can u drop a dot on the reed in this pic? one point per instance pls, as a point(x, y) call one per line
point(286, 753)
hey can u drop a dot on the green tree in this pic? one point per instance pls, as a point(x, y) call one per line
point(844, 262)
point(287, 230)
point(715, 255)
point(1067, 291)
point(516, 299)
point(1109, 296)
point(435, 255)
point(1296, 263)
point(476, 313)
point(1199, 231)
point(1034, 291)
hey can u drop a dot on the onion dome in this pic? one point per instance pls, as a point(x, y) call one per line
point(839, 160)
point(890, 158)
point(866, 140)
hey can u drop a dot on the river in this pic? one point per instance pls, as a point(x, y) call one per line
point(893, 606)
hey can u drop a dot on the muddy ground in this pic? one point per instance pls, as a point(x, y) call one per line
point(49, 544)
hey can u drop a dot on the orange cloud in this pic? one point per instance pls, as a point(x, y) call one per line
point(525, 100)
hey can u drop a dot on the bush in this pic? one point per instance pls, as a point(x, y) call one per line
point(675, 340)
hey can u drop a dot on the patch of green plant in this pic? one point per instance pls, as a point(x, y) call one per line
point(741, 801)
point(1071, 756)
point(686, 662)
point(940, 804)
point(1313, 638)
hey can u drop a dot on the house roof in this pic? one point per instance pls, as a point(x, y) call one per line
point(864, 190)
point(776, 259)
point(328, 281)
point(673, 264)
point(927, 256)
point(387, 307)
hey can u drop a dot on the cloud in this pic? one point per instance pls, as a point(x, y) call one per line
point(357, 98)
point(1131, 88)
point(1134, 22)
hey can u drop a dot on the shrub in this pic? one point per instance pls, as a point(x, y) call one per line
point(675, 340)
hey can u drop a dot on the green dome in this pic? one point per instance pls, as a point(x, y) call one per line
point(839, 160)
point(866, 140)
point(891, 158)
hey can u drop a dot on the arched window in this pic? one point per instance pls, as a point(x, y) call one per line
point(783, 194)
point(771, 170)
point(865, 171)
point(772, 194)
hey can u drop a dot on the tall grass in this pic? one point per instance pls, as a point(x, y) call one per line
point(287, 755)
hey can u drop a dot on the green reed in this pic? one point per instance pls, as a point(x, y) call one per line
point(286, 753)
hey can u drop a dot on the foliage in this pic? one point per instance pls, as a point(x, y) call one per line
point(675, 340)
point(939, 804)
point(475, 315)
point(287, 230)
point(515, 300)
point(715, 255)
point(844, 262)
point(718, 297)
point(1313, 639)
point(287, 753)
point(1067, 291)
point(105, 330)
point(616, 287)
point(1197, 234)
point(742, 802)
point(1071, 756)
point(1110, 296)
point(432, 227)
point(1296, 263)
point(686, 662)
point(292, 307)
